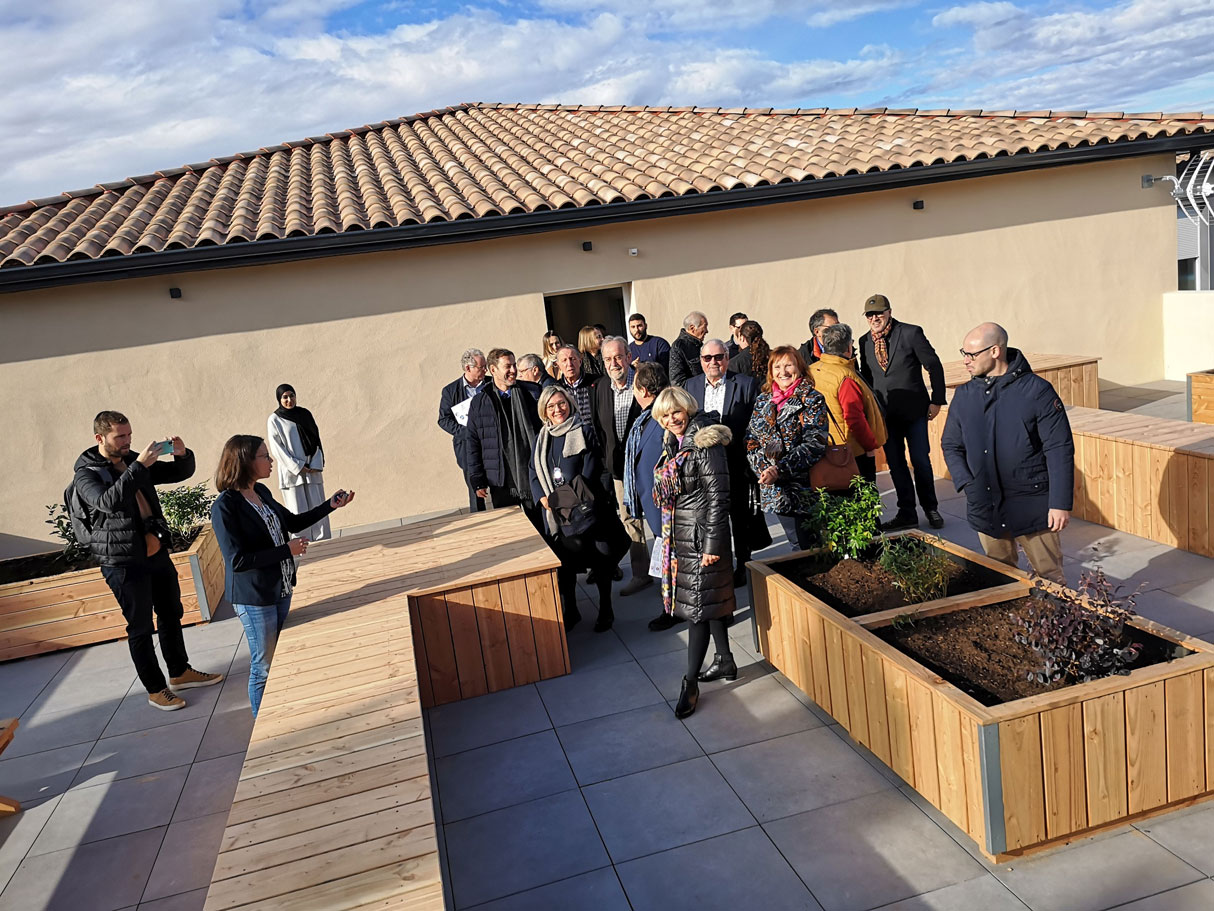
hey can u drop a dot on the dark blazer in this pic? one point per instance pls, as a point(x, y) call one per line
point(602, 407)
point(740, 394)
point(453, 394)
point(252, 561)
point(1009, 448)
point(899, 388)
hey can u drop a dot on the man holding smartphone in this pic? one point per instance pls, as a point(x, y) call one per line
point(129, 537)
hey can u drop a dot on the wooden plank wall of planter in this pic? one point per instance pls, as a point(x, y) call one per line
point(77, 608)
point(1201, 397)
point(1013, 777)
point(1151, 477)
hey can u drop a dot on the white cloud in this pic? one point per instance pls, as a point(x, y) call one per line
point(982, 15)
point(720, 15)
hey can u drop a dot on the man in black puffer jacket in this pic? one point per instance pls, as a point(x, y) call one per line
point(129, 538)
point(1008, 445)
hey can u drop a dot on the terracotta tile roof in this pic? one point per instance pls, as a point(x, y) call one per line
point(484, 160)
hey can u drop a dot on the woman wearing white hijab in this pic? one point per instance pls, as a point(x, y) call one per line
point(294, 441)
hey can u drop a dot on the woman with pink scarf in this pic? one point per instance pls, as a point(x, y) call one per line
point(788, 433)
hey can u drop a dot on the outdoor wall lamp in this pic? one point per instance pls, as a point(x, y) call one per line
point(633, 251)
point(175, 294)
point(587, 246)
point(917, 205)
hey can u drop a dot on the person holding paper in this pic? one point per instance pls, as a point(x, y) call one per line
point(458, 394)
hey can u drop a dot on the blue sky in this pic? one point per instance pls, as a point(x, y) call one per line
point(101, 91)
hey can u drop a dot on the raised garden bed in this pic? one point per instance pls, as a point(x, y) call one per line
point(77, 608)
point(1018, 773)
point(1201, 396)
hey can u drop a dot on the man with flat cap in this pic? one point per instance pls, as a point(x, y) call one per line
point(893, 356)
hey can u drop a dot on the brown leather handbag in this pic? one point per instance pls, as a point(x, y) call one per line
point(835, 470)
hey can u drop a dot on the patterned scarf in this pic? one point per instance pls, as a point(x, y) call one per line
point(881, 345)
point(666, 489)
point(632, 450)
point(780, 396)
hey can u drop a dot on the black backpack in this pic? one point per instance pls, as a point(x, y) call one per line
point(78, 510)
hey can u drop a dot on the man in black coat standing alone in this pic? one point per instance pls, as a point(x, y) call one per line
point(685, 350)
point(449, 417)
point(893, 356)
point(1008, 444)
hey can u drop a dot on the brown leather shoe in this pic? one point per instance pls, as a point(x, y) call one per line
point(191, 678)
point(166, 701)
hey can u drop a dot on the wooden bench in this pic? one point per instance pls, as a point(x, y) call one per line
point(8, 727)
point(334, 810)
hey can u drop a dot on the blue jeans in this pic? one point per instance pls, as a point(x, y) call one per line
point(262, 624)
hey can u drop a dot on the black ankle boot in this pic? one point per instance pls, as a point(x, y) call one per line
point(605, 619)
point(689, 695)
point(723, 667)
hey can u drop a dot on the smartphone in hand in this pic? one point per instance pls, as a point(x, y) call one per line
point(165, 447)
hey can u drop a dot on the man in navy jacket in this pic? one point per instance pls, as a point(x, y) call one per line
point(468, 385)
point(1008, 445)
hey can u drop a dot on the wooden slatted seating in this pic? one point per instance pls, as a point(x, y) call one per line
point(334, 810)
point(8, 727)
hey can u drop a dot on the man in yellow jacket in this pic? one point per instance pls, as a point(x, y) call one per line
point(855, 418)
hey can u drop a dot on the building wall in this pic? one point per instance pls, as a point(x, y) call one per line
point(1188, 341)
point(1071, 260)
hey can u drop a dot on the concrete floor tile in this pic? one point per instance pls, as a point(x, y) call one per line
point(187, 858)
point(1177, 613)
point(598, 890)
point(502, 775)
point(142, 752)
point(738, 870)
point(186, 901)
point(1199, 592)
point(1189, 834)
point(79, 685)
point(115, 808)
point(1157, 566)
point(134, 713)
point(643, 642)
point(40, 731)
point(663, 808)
point(818, 712)
point(478, 722)
point(870, 851)
point(627, 742)
point(589, 650)
point(227, 733)
point(522, 847)
point(42, 775)
point(667, 670)
point(1198, 896)
point(796, 773)
point(25, 680)
point(212, 635)
point(986, 893)
point(1097, 874)
point(102, 876)
point(758, 710)
point(210, 787)
point(594, 693)
point(19, 831)
point(234, 694)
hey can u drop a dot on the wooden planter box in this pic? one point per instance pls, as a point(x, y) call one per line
point(1016, 776)
point(78, 608)
point(1201, 397)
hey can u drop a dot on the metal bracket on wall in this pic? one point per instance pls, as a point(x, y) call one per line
point(992, 788)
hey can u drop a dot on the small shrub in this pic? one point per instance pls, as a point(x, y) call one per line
point(903, 622)
point(920, 570)
point(186, 508)
point(61, 528)
point(847, 523)
point(1077, 639)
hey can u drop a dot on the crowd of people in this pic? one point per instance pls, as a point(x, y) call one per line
point(673, 453)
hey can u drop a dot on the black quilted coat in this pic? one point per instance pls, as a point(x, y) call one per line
point(701, 524)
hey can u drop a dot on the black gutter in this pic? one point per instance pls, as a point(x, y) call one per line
point(264, 252)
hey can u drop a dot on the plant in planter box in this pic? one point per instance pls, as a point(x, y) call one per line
point(186, 509)
point(921, 570)
point(1080, 635)
point(61, 527)
point(847, 523)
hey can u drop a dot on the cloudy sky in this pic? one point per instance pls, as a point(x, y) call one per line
point(98, 90)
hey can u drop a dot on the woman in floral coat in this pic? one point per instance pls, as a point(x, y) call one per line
point(788, 433)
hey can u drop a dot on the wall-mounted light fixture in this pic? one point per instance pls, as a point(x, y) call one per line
point(633, 251)
point(175, 293)
point(917, 204)
point(587, 246)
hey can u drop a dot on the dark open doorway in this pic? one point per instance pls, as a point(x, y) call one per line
point(568, 313)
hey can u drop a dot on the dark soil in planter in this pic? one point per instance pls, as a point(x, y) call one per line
point(855, 587)
point(975, 650)
point(41, 566)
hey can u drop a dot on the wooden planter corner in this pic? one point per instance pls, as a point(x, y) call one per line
point(1201, 396)
point(78, 608)
point(1016, 776)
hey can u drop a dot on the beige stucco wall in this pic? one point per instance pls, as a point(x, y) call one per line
point(1188, 341)
point(1071, 260)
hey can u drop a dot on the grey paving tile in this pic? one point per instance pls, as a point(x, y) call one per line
point(758, 710)
point(227, 733)
point(42, 775)
point(667, 670)
point(589, 650)
point(101, 876)
point(234, 693)
point(1088, 539)
point(986, 893)
point(240, 661)
point(1182, 615)
point(1156, 566)
point(738, 870)
point(186, 901)
point(210, 787)
point(1096, 874)
point(522, 847)
point(40, 731)
point(643, 642)
point(820, 713)
point(187, 858)
point(501, 775)
point(212, 635)
point(594, 693)
point(870, 851)
point(1199, 592)
point(1198, 896)
point(102, 656)
point(19, 831)
point(626, 742)
point(80, 684)
point(477, 722)
point(22, 681)
point(796, 773)
point(664, 808)
point(598, 890)
point(1189, 834)
point(134, 713)
point(128, 755)
point(115, 808)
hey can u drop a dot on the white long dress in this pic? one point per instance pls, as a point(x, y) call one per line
point(300, 491)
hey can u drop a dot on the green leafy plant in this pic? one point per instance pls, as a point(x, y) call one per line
point(903, 622)
point(61, 528)
point(847, 523)
point(186, 508)
point(1080, 635)
point(920, 570)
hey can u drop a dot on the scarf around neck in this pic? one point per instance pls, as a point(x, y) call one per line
point(881, 345)
point(309, 433)
point(667, 486)
point(780, 396)
point(574, 442)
